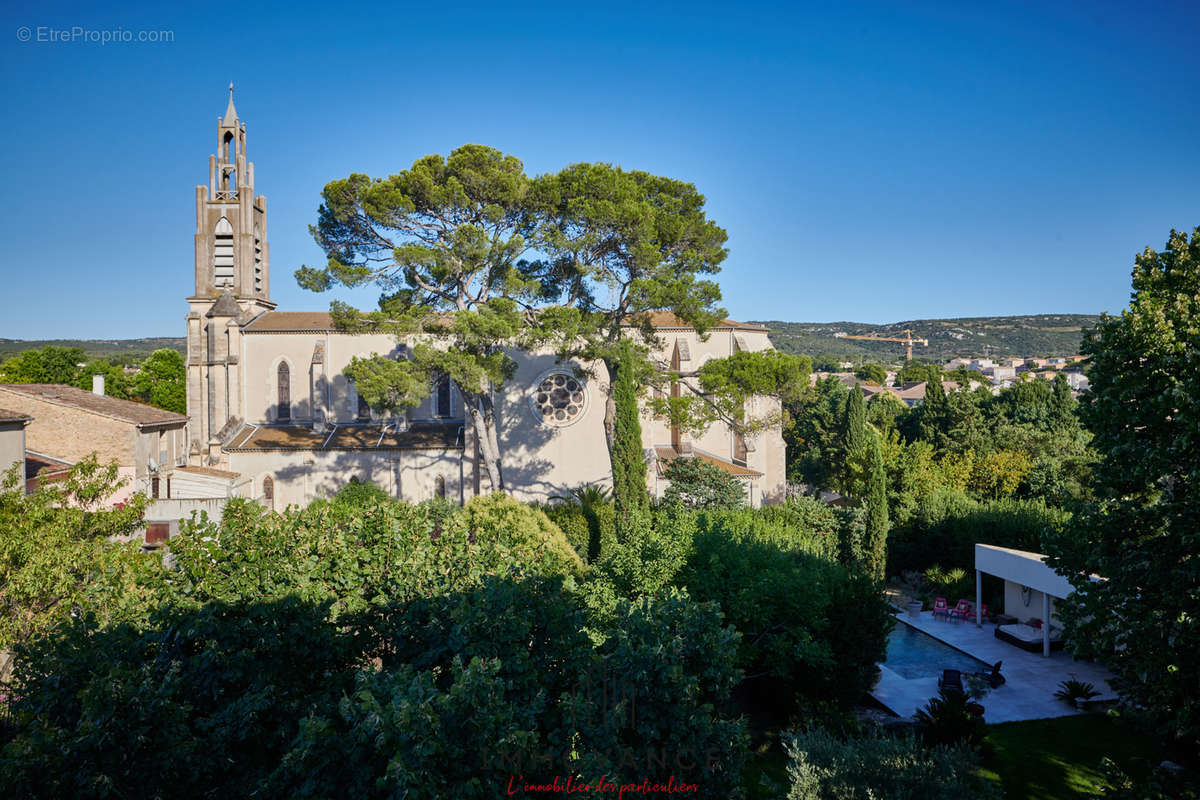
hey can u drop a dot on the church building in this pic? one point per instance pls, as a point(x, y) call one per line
point(268, 399)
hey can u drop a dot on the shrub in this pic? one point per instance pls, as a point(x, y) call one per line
point(881, 767)
point(572, 521)
point(803, 524)
point(499, 683)
point(361, 493)
point(203, 702)
point(651, 555)
point(699, 484)
point(805, 621)
point(946, 720)
point(364, 557)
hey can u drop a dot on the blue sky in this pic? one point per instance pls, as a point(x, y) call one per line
point(871, 161)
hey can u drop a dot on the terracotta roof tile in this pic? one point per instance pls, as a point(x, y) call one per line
point(291, 322)
point(125, 410)
point(215, 473)
point(668, 319)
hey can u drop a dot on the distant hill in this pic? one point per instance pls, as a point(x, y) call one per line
point(1040, 335)
point(123, 349)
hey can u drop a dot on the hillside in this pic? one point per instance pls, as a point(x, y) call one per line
point(112, 349)
point(1041, 335)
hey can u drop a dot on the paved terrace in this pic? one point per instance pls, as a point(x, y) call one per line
point(1031, 678)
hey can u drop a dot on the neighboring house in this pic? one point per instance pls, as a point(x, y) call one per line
point(271, 407)
point(68, 424)
point(999, 373)
point(12, 441)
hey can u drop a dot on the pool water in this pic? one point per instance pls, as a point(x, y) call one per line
point(913, 654)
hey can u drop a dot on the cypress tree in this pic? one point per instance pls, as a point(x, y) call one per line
point(877, 514)
point(628, 459)
point(935, 415)
point(855, 443)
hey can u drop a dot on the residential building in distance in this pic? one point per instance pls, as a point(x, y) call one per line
point(12, 442)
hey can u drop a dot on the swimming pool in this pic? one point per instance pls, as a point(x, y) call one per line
point(913, 654)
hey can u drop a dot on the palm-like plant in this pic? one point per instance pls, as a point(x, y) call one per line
point(946, 719)
point(1072, 691)
point(586, 495)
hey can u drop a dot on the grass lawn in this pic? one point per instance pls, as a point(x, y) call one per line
point(1052, 759)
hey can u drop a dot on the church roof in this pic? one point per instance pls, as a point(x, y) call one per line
point(230, 111)
point(125, 410)
point(225, 306)
point(669, 320)
point(320, 321)
point(371, 436)
point(291, 322)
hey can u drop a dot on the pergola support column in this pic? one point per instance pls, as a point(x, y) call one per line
point(978, 599)
point(1045, 625)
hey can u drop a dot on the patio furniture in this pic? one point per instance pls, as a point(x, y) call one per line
point(983, 610)
point(994, 678)
point(940, 607)
point(1027, 638)
point(1003, 619)
point(961, 610)
point(951, 681)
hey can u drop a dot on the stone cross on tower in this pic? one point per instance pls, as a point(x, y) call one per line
point(232, 284)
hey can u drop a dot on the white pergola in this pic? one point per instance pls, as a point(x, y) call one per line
point(1025, 568)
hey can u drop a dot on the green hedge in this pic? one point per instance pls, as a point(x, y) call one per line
point(947, 526)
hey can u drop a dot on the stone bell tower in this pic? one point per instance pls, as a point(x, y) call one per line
point(233, 283)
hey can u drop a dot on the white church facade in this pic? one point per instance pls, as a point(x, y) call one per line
point(270, 406)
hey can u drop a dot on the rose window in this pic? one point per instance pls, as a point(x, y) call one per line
point(559, 398)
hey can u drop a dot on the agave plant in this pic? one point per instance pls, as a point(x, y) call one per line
point(1072, 691)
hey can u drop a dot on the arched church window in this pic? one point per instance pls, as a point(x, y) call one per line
point(269, 492)
point(559, 397)
point(283, 392)
point(223, 254)
point(443, 407)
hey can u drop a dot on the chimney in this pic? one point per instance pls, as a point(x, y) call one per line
point(98, 385)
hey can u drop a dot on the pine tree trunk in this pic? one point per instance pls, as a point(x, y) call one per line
point(485, 436)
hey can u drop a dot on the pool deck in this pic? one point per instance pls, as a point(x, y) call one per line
point(1031, 678)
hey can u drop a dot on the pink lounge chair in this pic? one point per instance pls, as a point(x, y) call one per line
point(961, 610)
point(940, 607)
point(984, 615)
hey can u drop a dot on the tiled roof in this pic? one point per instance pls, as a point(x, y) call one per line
point(13, 416)
point(668, 319)
point(209, 471)
point(125, 410)
point(667, 454)
point(44, 467)
point(321, 321)
point(291, 322)
point(376, 436)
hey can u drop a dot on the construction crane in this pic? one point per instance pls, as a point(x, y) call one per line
point(907, 340)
